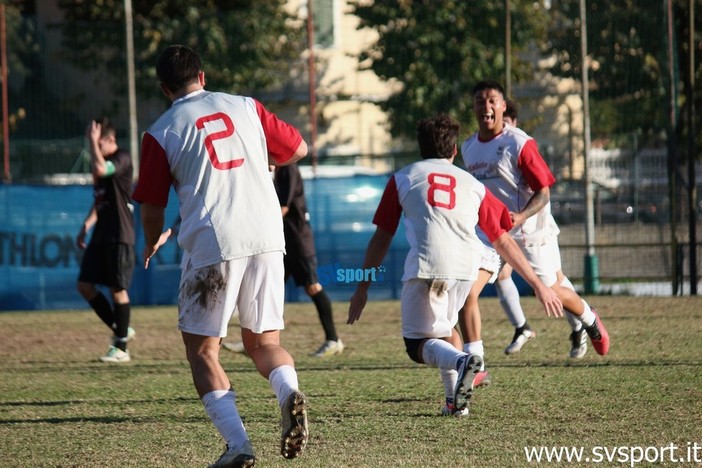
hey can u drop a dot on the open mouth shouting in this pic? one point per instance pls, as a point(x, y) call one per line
point(488, 117)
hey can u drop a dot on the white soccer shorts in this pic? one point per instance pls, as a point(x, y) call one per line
point(491, 261)
point(430, 306)
point(252, 285)
point(545, 259)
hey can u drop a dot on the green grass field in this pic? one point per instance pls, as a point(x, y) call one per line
point(371, 406)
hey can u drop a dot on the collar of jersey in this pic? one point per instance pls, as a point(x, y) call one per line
point(188, 96)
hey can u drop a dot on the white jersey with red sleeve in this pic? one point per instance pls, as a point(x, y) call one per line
point(442, 204)
point(214, 149)
point(512, 168)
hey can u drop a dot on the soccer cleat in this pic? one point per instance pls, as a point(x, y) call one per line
point(294, 425)
point(329, 348)
point(236, 457)
point(468, 369)
point(578, 340)
point(598, 335)
point(481, 379)
point(450, 410)
point(115, 354)
point(522, 335)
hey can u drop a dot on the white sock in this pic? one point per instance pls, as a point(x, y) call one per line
point(573, 320)
point(283, 380)
point(508, 294)
point(588, 317)
point(440, 353)
point(476, 348)
point(449, 377)
point(220, 406)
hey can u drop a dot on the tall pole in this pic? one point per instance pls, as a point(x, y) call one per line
point(508, 50)
point(691, 153)
point(591, 274)
point(672, 154)
point(6, 177)
point(312, 87)
point(133, 132)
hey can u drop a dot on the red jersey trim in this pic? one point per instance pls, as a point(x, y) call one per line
point(282, 138)
point(387, 215)
point(493, 217)
point(154, 164)
point(534, 168)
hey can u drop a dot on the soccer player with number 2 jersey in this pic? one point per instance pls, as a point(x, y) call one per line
point(215, 149)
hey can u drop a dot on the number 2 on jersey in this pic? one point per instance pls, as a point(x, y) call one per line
point(209, 139)
point(441, 188)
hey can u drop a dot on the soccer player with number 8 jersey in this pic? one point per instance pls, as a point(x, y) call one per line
point(442, 204)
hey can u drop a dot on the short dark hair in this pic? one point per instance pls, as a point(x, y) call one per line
point(178, 66)
point(107, 127)
point(437, 137)
point(488, 84)
point(511, 109)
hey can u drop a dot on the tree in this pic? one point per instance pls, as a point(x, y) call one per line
point(628, 55)
point(438, 49)
point(22, 52)
point(246, 45)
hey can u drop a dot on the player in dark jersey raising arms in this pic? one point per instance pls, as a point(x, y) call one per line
point(215, 148)
point(109, 256)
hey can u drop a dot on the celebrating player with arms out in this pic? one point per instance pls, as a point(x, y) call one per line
point(508, 162)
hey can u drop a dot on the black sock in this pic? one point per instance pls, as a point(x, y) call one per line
point(324, 310)
point(121, 325)
point(103, 309)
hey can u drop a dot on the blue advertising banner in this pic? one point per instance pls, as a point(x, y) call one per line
point(39, 259)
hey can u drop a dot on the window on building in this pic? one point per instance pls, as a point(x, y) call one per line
point(324, 23)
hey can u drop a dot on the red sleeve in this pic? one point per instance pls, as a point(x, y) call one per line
point(154, 174)
point(282, 138)
point(534, 168)
point(493, 216)
point(387, 216)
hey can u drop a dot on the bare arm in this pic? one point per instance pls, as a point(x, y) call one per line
point(375, 252)
point(152, 218)
point(97, 160)
point(510, 251)
point(533, 206)
point(88, 223)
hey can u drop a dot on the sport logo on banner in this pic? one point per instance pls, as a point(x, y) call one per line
point(335, 274)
